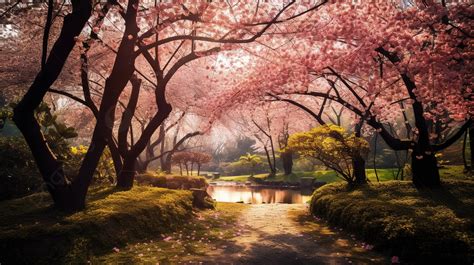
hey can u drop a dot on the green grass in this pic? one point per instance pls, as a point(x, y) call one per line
point(426, 227)
point(34, 232)
point(172, 181)
point(329, 176)
point(209, 230)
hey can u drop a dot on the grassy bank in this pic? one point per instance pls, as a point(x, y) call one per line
point(172, 181)
point(427, 227)
point(33, 232)
point(327, 176)
point(207, 231)
point(330, 176)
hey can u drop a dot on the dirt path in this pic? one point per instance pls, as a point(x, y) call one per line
point(287, 234)
point(235, 233)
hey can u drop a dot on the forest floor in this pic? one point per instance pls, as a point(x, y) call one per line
point(250, 234)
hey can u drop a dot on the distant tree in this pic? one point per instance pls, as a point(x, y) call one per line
point(252, 160)
point(201, 158)
point(242, 146)
point(333, 146)
point(189, 159)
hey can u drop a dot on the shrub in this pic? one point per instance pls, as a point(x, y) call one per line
point(428, 227)
point(172, 182)
point(19, 175)
point(104, 172)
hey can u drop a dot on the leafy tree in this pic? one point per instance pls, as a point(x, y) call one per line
point(251, 160)
point(189, 159)
point(333, 146)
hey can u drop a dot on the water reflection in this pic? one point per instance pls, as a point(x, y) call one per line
point(257, 195)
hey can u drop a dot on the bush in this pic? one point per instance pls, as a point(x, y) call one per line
point(33, 233)
point(428, 227)
point(104, 172)
point(19, 175)
point(172, 182)
point(240, 168)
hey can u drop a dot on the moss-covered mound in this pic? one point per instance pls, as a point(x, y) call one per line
point(172, 182)
point(426, 227)
point(32, 232)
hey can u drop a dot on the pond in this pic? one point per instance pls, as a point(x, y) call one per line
point(232, 192)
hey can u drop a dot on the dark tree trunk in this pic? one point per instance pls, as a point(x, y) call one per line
point(425, 173)
point(424, 165)
point(166, 164)
point(116, 158)
point(199, 170)
point(142, 166)
point(51, 170)
point(271, 165)
point(467, 167)
point(127, 175)
point(287, 162)
point(471, 146)
point(121, 73)
point(358, 164)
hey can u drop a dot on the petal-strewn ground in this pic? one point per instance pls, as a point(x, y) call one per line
point(252, 234)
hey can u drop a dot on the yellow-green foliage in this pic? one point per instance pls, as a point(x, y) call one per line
point(172, 181)
point(428, 227)
point(251, 160)
point(331, 145)
point(33, 232)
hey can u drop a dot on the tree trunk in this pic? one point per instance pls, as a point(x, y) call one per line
point(114, 152)
point(467, 167)
point(180, 169)
point(166, 164)
point(358, 164)
point(287, 161)
point(425, 170)
point(270, 163)
point(121, 73)
point(51, 170)
point(471, 146)
point(199, 170)
point(142, 166)
point(127, 175)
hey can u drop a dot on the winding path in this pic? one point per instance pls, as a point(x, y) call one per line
point(287, 234)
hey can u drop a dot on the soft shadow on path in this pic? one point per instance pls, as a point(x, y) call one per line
point(287, 234)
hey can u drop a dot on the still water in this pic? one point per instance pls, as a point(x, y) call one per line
point(257, 195)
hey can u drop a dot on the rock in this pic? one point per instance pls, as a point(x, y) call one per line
point(201, 199)
point(307, 182)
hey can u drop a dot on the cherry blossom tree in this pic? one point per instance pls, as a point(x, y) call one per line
point(167, 36)
point(382, 62)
